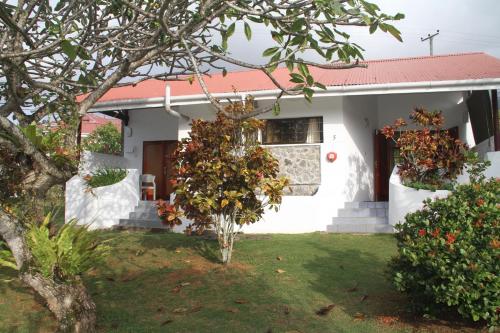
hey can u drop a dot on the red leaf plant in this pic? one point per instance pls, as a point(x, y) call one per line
point(223, 178)
point(430, 155)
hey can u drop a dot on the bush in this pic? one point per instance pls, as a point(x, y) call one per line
point(105, 177)
point(104, 139)
point(71, 251)
point(430, 155)
point(448, 252)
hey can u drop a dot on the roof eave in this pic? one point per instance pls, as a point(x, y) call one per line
point(369, 89)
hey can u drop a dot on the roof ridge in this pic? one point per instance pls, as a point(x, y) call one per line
point(425, 57)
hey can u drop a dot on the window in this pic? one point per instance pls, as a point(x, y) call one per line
point(293, 131)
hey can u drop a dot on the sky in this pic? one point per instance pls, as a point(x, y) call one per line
point(464, 25)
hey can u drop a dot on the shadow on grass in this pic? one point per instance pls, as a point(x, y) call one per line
point(207, 248)
point(358, 282)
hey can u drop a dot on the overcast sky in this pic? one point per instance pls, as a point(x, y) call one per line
point(464, 25)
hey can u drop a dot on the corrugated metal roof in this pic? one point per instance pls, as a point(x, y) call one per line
point(452, 67)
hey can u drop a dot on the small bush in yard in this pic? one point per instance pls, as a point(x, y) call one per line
point(431, 157)
point(66, 254)
point(105, 177)
point(449, 252)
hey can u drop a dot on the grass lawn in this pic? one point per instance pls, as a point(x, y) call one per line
point(158, 282)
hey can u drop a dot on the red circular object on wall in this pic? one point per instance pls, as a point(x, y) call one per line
point(331, 156)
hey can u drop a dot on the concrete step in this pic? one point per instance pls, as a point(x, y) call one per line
point(146, 224)
point(360, 228)
point(360, 220)
point(362, 212)
point(145, 204)
point(366, 204)
point(144, 215)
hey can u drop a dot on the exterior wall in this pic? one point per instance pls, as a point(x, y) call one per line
point(90, 161)
point(404, 200)
point(147, 125)
point(301, 164)
point(360, 120)
point(104, 206)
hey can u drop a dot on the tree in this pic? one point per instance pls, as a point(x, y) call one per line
point(49, 55)
point(221, 175)
point(104, 139)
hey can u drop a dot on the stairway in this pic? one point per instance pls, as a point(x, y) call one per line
point(144, 216)
point(362, 217)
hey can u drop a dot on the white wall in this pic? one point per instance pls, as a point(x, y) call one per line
point(360, 121)
point(91, 161)
point(102, 207)
point(147, 125)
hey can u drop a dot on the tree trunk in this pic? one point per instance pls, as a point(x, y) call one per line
point(69, 301)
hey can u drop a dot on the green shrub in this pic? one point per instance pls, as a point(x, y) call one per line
point(71, 251)
point(104, 139)
point(105, 177)
point(448, 252)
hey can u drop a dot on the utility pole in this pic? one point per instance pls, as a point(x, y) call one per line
point(430, 38)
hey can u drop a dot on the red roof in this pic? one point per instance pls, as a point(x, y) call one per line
point(91, 121)
point(417, 69)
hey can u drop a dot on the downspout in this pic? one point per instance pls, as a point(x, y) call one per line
point(167, 104)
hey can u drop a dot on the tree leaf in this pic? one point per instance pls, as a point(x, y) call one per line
point(248, 31)
point(270, 51)
point(69, 49)
point(230, 30)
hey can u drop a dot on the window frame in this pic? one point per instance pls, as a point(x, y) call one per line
point(321, 135)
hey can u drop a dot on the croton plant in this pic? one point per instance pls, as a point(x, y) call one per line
point(223, 178)
point(429, 154)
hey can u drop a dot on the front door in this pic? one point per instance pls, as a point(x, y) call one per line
point(386, 158)
point(158, 160)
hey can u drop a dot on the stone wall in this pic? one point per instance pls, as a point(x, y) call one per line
point(302, 165)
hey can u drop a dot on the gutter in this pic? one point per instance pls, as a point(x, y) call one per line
point(353, 90)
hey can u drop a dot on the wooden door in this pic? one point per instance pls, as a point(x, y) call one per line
point(158, 161)
point(381, 173)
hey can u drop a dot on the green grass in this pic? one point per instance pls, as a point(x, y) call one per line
point(135, 290)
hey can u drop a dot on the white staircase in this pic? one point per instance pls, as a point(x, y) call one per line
point(362, 217)
point(145, 215)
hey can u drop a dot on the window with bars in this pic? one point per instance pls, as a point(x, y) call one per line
point(293, 131)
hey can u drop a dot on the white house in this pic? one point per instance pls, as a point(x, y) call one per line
point(343, 119)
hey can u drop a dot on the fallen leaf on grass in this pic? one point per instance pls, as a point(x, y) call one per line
point(177, 251)
point(353, 289)
point(241, 301)
point(168, 321)
point(196, 308)
point(279, 258)
point(387, 320)
point(176, 289)
point(180, 310)
point(325, 310)
point(233, 310)
point(185, 284)
point(280, 271)
point(359, 316)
